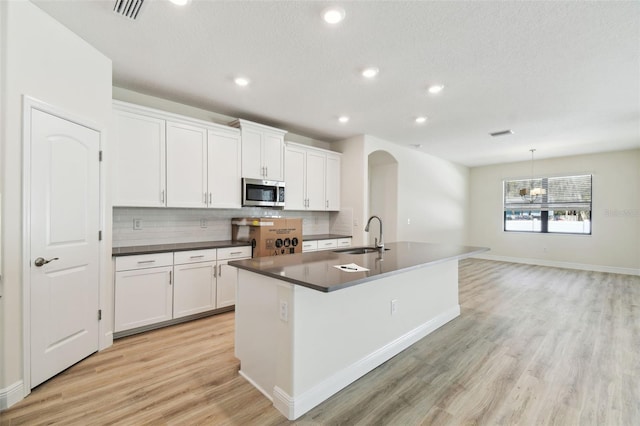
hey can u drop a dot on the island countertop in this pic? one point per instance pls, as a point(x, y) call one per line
point(316, 270)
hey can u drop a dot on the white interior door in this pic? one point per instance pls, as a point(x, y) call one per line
point(64, 225)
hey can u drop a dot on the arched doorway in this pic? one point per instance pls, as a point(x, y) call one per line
point(383, 194)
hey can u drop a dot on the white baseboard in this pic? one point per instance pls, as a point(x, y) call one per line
point(255, 385)
point(557, 264)
point(294, 407)
point(11, 395)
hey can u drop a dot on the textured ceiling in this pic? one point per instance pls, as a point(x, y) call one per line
point(565, 76)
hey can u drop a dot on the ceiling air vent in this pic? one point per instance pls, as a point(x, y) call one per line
point(128, 8)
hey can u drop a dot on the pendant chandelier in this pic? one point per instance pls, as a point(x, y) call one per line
point(530, 195)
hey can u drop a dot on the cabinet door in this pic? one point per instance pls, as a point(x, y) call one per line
point(315, 180)
point(224, 175)
point(272, 155)
point(333, 182)
point(226, 288)
point(139, 160)
point(295, 194)
point(252, 166)
point(186, 166)
point(194, 288)
point(142, 297)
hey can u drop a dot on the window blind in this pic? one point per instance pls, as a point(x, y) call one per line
point(559, 193)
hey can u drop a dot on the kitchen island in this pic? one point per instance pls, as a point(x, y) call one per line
point(306, 328)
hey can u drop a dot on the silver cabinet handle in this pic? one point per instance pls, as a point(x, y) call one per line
point(145, 261)
point(162, 196)
point(209, 198)
point(219, 270)
point(42, 261)
point(326, 204)
point(214, 271)
point(266, 170)
point(196, 257)
point(234, 252)
point(170, 273)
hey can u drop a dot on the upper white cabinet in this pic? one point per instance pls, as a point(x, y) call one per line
point(224, 168)
point(186, 165)
point(163, 159)
point(333, 181)
point(312, 177)
point(138, 159)
point(262, 150)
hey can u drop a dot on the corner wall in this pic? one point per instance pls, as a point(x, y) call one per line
point(433, 194)
point(614, 245)
point(43, 59)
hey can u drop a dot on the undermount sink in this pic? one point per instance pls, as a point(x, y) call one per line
point(358, 250)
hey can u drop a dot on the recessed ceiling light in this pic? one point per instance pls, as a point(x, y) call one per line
point(180, 2)
point(436, 88)
point(343, 119)
point(241, 81)
point(333, 15)
point(421, 120)
point(370, 72)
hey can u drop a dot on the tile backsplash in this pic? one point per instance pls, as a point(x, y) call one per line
point(173, 225)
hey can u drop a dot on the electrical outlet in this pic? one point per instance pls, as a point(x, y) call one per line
point(284, 310)
point(394, 306)
point(203, 223)
point(137, 224)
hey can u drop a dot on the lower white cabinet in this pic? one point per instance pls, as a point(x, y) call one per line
point(194, 288)
point(143, 290)
point(153, 288)
point(330, 244)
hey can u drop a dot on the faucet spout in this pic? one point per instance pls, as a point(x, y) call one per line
point(379, 245)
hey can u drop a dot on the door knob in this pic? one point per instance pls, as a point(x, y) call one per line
point(42, 261)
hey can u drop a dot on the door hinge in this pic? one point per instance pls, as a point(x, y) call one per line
point(99, 314)
point(99, 155)
point(99, 235)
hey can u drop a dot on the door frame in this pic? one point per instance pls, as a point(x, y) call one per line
point(28, 104)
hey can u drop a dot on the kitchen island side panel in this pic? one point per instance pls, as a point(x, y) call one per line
point(337, 330)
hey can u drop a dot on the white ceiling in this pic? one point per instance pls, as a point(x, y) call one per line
point(565, 76)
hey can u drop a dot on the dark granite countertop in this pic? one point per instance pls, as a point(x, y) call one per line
point(316, 269)
point(323, 237)
point(161, 248)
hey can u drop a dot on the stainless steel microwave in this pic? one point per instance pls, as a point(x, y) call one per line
point(264, 193)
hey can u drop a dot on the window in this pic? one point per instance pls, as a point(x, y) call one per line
point(548, 205)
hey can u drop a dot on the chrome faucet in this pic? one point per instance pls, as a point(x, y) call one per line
point(380, 245)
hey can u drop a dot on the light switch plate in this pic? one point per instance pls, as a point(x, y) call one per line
point(137, 224)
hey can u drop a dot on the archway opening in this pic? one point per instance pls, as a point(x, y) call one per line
point(383, 194)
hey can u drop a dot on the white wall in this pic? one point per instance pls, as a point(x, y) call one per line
point(615, 241)
point(432, 192)
point(43, 59)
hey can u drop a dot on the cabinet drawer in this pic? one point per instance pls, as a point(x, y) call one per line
point(327, 244)
point(309, 246)
point(141, 261)
point(234, 252)
point(192, 256)
point(344, 242)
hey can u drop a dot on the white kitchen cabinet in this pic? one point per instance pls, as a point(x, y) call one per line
point(312, 177)
point(328, 244)
point(186, 165)
point(262, 150)
point(138, 158)
point(227, 275)
point(164, 159)
point(194, 288)
point(308, 246)
point(332, 182)
point(224, 168)
point(143, 290)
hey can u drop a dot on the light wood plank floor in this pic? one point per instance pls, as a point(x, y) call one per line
point(533, 346)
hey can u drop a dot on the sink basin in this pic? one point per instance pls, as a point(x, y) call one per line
point(358, 250)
